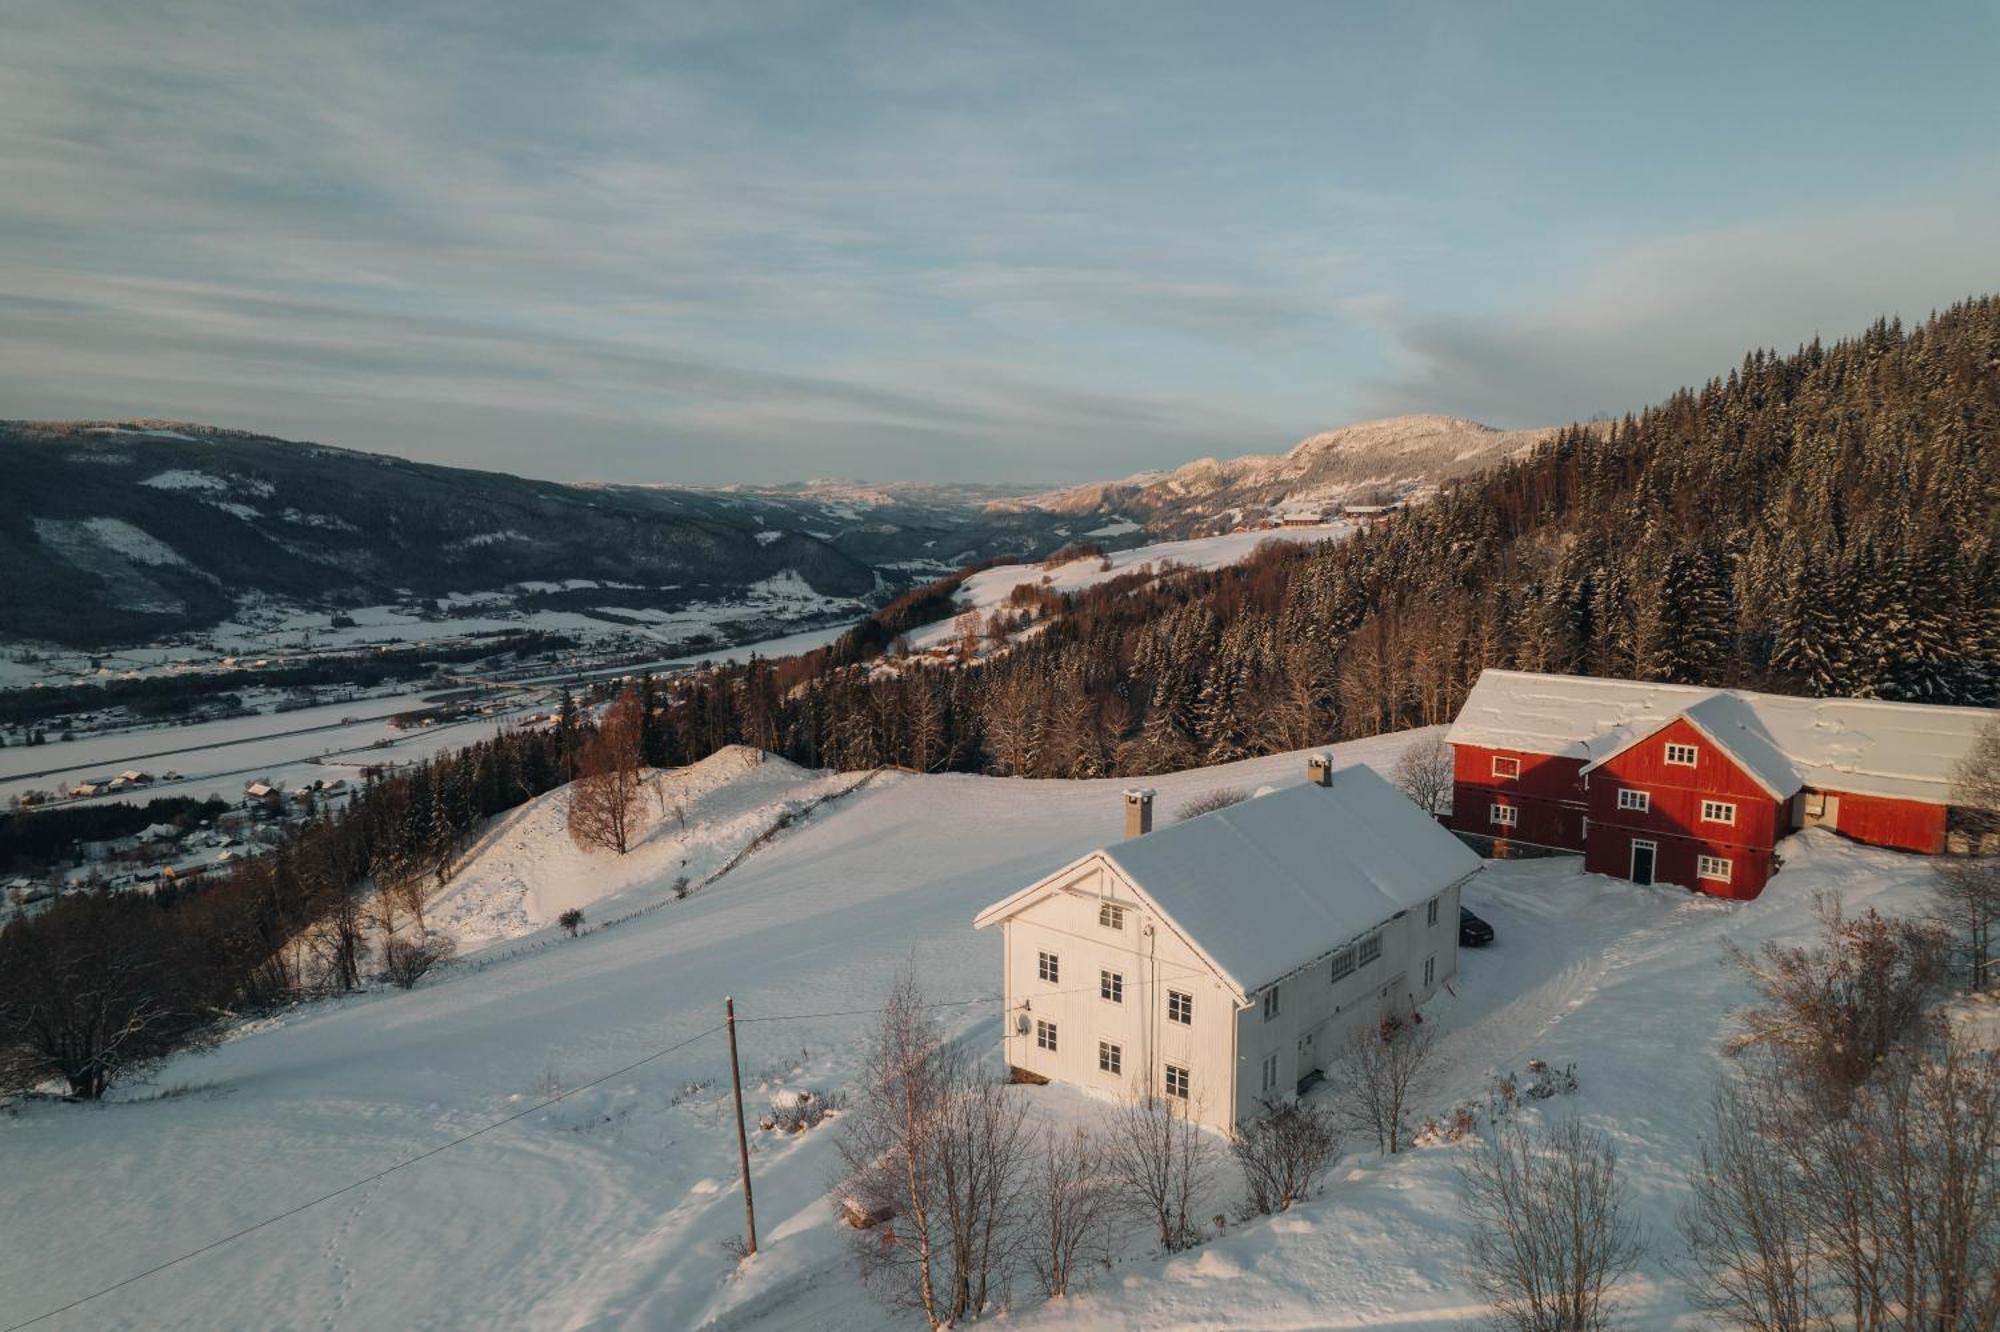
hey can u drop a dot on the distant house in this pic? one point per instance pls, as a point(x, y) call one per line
point(263, 792)
point(1693, 786)
point(1367, 515)
point(1225, 960)
point(1301, 518)
point(135, 777)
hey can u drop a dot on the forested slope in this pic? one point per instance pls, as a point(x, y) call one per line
point(1821, 523)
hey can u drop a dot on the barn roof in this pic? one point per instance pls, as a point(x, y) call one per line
point(1273, 883)
point(1903, 751)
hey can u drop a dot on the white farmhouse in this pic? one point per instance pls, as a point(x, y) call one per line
point(1226, 959)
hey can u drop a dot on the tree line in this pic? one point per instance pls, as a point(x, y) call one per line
point(1823, 523)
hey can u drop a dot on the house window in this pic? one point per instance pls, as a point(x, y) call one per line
point(1111, 985)
point(1110, 1058)
point(1177, 1081)
point(1506, 767)
point(1637, 800)
point(1180, 1008)
point(1681, 756)
point(1370, 949)
point(1045, 1034)
point(1430, 970)
point(1504, 816)
point(1431, 912)
point(1712, 867)
point(1111, 917)
point(1048, 968)
point(1717, 811)
point(1270, 1072)
point(1270, 1003)
point(1343, 964)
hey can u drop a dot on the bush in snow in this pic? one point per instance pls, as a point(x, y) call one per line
point(681, 888)
point(1163, 1163)
point(407, 961)
point(1222, 797)
point(1551, 1233)
point(1549, 1082)
point(795, 1112)
point(1384, 1072)
point(571, 920)
point(1285, 1154)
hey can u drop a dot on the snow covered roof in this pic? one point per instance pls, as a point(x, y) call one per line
point(1867, 746)
point(1272, 884)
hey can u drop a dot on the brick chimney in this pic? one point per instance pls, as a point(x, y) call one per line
point(1319, 769)
point(1138, 811)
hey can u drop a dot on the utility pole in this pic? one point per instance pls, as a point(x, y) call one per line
point(742, 1138)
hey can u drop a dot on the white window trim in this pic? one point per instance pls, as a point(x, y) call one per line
point(1364, 955)
point(1513, 763)
point(1705, 868)
point(1045, 1035)
point(1693, 753)
point(1504, 816)
point(1111, 986)
point(1725, 812)
point(1627, 795)
point(1335, 974)
point(1186, 1080)
point(1111, 916)
point(1111, 1058)
point(1186, 1019)
point(1430, 970)
point(1431, 912)
point(1048, 967)
point(1270, 1003)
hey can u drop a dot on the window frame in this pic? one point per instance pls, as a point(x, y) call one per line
point(1335, 974)
point(1727, 817)
point(1111, 1058)
point(1643, 797)
point(1512, 773)
point(1503, 816)
point(1111, 985)
point(1183, 1075)
point(1048, 966)
point(1270, 1072)
point(1368, 949)
point(1430, 970)
point(1111, 916)
point(1431, 912)
point(1184, 1001)
point(1704, 868)
point(1271, 1003)
point(1046, 1036)
point(1693, 753)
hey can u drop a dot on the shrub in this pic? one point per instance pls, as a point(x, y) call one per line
point(571, 920)
point(407, 961)
point(1285, 1154)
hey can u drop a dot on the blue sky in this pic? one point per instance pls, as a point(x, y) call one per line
point(729, 241)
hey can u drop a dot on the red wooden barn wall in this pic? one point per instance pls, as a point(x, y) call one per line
point(1549, 793)
point(1906, 825)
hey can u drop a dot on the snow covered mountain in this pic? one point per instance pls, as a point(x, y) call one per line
point(1399, 457)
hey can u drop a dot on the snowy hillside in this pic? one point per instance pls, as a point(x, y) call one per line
point(610, 1208)
point(1401, 456)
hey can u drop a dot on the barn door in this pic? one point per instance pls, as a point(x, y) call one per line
point(1642, 860)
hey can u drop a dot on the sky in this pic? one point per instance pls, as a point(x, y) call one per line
point(684, 241)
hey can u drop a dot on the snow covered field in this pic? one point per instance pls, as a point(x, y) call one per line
point(610, 1208)
point(987, 590)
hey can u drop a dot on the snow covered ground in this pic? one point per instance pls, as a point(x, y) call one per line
point(610, 1208)
point(987, 590)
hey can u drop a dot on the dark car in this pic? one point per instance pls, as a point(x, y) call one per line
point(1472, 931)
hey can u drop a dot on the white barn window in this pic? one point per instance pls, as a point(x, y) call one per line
point(1506, 767)
point(1048, 967)
point(1635, 800)
point(1110, 1058)
point(1712, 867)
point(1111, 917)
point(1718, 811)
point(1045, 1034)
point(1180, 1008)
point(1111, 985)
point(1682, 756)
point(1504, 816)
point(1177, 1081)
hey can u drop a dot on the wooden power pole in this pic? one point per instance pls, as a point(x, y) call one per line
point(742, 1137)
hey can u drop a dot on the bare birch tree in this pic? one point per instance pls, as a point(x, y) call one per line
point(1071, 1212)
point(1385, 1070)
point(1551, 1233)
point(1164, 1164)
point(604, 798)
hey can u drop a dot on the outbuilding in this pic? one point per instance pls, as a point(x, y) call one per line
point(1226, 960)
point(1694, 786)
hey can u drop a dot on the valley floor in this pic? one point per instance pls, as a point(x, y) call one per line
point(610, 1209)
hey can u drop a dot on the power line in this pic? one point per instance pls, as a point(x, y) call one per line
point(359, 1183)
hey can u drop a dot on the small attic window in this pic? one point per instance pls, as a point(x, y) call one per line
point(1111, 917)
point(1682, 756)
point(1506, 767)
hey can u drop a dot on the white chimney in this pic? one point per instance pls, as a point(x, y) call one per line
point(1319, 769)
point(1138, 811)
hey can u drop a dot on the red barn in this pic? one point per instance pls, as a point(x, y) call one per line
point(1694, 786)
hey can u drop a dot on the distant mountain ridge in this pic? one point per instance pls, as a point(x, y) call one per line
point(1399, 456)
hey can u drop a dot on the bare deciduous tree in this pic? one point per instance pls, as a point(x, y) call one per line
point(604, 798)
point(1968, 888)
point(1163, 1163)
point(1222, 797)
point(1071, 1211)
point(1424, 774)
point(1550, 1231)
point(407, 961)
point(1385, 1071)
point(938, 1149)
point(1285, 1154)
point(1832, 1011)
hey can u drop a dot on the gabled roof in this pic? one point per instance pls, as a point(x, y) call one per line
point(1276, 882)
point(1904, 751)
point(1732, 726)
